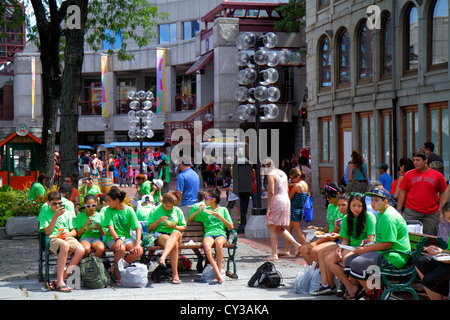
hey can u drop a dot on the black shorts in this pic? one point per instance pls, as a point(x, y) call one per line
point(436, 275)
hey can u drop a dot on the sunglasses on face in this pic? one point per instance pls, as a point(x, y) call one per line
point(56, 203)
point(90, 205)
point(209, 198)
point(67, 181)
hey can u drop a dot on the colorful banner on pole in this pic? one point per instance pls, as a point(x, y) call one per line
point(161, 80)
point(105, 105)
point(33, 88)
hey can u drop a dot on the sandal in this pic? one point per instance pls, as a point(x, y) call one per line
point(64, 289)
point(175, 281)
point(51, 286)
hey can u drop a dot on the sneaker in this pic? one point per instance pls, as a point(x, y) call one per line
point(324, 291)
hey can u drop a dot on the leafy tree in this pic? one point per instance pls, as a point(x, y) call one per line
point(292, 15)
point(53, 29)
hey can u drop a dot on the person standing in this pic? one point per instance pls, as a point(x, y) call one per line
point(385, 178)
point(188, 183)
point(357, 174)
point(278, 208)
point(421, 190)
point(429, 146)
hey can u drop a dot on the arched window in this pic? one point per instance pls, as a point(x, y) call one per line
point(325, 63)
point(344, 74)
point(411, 49)
point(438, 33)
point(386, 46)
point(365, 70)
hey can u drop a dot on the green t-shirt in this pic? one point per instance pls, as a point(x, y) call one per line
point(143, 212)
point(123, 221)
point(35, 190)
point(391, 227)
point(176, 214)
point(214, 226)
point(195, 207)
point(369, 229)
point(333, 213)
point(70, 209)
point(95, 190)
point(81, 221)
point(146, 188)
point(64, 221)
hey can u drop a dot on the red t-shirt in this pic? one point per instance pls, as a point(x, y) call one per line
point(422, 190)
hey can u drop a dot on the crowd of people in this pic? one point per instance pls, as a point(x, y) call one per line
point(361, 221)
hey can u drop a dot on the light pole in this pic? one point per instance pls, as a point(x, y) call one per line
point(140, 116)
point(256, 75)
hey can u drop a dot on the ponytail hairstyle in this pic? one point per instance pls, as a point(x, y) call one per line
point(215, 194)
point(173, 197)
point(116, 193)
point(361, 220)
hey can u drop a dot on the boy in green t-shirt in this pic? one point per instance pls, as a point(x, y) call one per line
point(37, 189)
point(57, 223)
point(391, 233)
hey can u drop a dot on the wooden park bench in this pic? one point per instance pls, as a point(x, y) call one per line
point(47, 258)
point(401, 280)
point(193, 237)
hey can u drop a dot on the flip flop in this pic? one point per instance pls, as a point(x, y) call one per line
point(162, 264)
point(175, 281)
point(51, 286)
point(63, 289)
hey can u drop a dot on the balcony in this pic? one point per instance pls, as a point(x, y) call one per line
point(185, 103)
point(90, 108)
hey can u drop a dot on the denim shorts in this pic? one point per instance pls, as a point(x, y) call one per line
point(126, 241)
point(90, 240)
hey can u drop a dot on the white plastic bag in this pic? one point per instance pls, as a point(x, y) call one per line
point(316, 279)
point(208, 273)
point(302, 281)
point(133, 275)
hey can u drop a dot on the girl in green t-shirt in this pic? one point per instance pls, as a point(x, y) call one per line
point(89, 229)
point(167, 221)
point(357, 228)
point(120, 220)
point(216, 221)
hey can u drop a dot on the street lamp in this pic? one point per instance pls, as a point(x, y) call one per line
point(255, 79)
point(140, 119)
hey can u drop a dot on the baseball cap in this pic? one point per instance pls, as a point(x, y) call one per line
point(383, 166)
point(147, 198)
point(379, 192)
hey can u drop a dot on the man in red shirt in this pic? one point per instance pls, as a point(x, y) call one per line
point(421, 190)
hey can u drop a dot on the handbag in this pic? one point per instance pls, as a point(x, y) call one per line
point(266, 275)
point(308, 210)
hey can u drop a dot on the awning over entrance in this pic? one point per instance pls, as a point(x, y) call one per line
point(201, 62)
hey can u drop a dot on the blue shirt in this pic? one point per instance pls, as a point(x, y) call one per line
point(386, 180)
point(189, 183)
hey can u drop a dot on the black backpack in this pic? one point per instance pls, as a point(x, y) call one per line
point(161, 274)
point(266, 275)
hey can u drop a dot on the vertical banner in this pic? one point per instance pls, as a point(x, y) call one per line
point(105, 105)
point(161, 80)
point(33, 88)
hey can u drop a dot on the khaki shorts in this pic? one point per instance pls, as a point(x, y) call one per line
point(55, 242)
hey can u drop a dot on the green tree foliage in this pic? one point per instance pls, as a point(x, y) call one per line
point(292, 16)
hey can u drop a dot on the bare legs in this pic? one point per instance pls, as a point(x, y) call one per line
point(276, 231)
point(170, 244)
point(208, 242)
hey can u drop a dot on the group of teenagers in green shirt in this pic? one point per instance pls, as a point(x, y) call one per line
point(118, 227)
point(355, 238)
